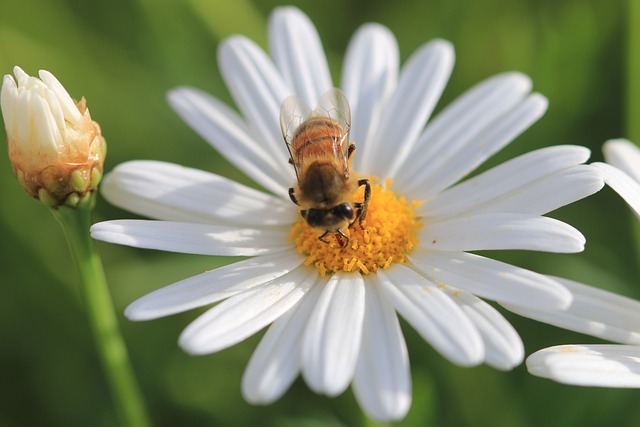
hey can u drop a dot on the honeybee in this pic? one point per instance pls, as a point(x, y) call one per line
point(321, 153)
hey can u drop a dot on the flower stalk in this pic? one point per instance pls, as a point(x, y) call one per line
point(102, 318)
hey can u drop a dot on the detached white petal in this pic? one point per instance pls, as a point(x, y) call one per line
point(616, 366)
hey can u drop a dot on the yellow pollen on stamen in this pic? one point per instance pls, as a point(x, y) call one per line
point(387, 235)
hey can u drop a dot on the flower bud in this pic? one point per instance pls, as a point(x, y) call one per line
point(56, 150)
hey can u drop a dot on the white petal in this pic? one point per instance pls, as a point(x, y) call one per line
point(225, 131)
point(275, 364)
point(241, 316)
point(623, 184)
point(502, 181)
point(460, 122)
point(548, 193)
point(432, 313)
point(382, 382)
point(593, 311)
point(258, 89)
point(421, 82)
point(623, 155)
point(176, 193)
point(65, 101)
point(369, 76)
point(332, 338)
point(482, 146)
point(212, 286)
point(491, 279)
point(8, 101)
point(297, 52)
point(501, 231)
point(503, 346)
point(615, 366)
point(203, 239)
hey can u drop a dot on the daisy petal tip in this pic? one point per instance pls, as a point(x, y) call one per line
point(286, 12)
point(192, 346)
point(177, 94)
point(231, 46)
point(519, 82)
point(613, 145)
point(136, 312)
point(443, 47)
point(540, 102)
point(391, 411)
point(553, 362)
point(257, 394)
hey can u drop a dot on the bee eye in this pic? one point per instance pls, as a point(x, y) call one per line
point(344, 210)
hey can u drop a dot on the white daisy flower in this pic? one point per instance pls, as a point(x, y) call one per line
point(616, 318)
point(332, 310)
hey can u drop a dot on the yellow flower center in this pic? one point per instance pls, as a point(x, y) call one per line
point(387, 234)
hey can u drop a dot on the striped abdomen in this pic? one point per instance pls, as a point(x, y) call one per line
point(318, 137)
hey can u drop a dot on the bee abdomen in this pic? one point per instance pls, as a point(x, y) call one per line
point(317, 133)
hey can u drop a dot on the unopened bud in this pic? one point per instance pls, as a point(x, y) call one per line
point(56, 150)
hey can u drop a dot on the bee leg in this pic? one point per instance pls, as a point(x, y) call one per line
point(292, 196)
point(322, 237)
point(350, 150)
point(361, 208)
point(342, 239)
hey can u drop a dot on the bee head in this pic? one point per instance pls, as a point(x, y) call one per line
point(334, 219)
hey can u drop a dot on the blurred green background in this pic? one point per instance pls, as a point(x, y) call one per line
point(123, 55)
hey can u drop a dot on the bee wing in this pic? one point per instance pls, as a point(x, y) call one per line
point(293, 113)
point(334, 105)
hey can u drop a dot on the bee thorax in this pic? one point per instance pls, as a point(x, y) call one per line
point(323, 186)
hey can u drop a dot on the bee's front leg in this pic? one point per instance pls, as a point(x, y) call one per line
point(361, 208)
point(350, 150)
point(292, 196)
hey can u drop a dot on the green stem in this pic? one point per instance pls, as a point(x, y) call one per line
point(102, 317)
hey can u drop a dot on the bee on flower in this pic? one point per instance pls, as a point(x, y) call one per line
point(401, 217)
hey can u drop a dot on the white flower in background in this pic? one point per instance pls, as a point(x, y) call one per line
point(602, 365)
point(56, 150)
point(333, 311)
